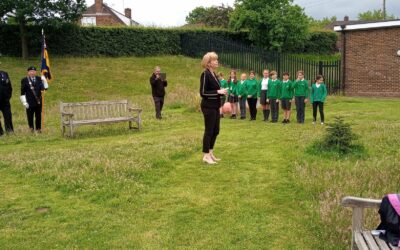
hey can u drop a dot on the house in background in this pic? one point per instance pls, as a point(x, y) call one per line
point(370, 58)
point(99, 14)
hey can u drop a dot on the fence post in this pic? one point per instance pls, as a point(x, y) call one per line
point(321, 68)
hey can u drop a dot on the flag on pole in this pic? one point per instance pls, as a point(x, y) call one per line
point(45, 69)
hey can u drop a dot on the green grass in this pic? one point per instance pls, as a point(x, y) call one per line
point(113, 188)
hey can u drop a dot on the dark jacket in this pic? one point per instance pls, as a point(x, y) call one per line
point(390, 221)
point(26, 90)
point(5, 88)
point(209, 85)
point(158, 86)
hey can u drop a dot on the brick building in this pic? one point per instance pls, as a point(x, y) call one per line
point(371, 58)
point(99, 14)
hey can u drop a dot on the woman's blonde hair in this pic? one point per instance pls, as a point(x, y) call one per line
point(207, 58)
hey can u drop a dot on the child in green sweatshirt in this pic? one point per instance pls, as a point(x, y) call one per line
point(273, 95)
point(318, 96)
point(232, 93)
point(301, 95)
point(286, 97)
point(224, 85)
point(251, 89)
point(241, 91)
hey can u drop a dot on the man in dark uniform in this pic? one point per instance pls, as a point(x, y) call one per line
point(31, 97)
point(158, 85)
point(5, 107)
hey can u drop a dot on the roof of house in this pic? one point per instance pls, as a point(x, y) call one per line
point(368, 25)
point(349, 22)
point(91, 11)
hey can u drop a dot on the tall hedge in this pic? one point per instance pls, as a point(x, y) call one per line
point(74, 40)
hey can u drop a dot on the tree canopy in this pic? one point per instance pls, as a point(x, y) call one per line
point(214, 16)
point(273, 24)
point(374, 15)
point(51, 12)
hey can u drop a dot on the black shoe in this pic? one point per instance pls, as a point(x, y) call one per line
point(287, 121)
point(221, 115)
point(242, 118)
point(284, 121)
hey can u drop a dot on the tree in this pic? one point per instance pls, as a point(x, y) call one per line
point(320, 24)
point(214, 16)
point(273, 24)
point(374, 15)
point(41, 12)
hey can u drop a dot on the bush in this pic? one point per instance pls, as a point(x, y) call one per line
point(338, 139)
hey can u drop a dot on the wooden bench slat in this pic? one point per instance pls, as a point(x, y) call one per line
point(360, 241)
point(370, 240)
point(381, 243)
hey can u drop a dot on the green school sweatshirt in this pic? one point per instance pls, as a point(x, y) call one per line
point(287, 90)
point(301, 88)
point(251, 88)
point(241, 90)
point(318, 94)
point(232, 88)
point(274, 89)
point(224, 84)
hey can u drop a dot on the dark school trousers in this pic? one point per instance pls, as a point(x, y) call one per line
point(319, 105)
point(211, 127)
point(274, 106)
point(158, 103)
point(242, 105)
point(5, 108)
point(36, 112)
point(300, 108)
point(252, 107)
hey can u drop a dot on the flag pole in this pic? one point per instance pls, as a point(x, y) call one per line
point(43, 91)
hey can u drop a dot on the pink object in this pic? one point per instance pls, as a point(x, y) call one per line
point(394, 201)
point(226, 108)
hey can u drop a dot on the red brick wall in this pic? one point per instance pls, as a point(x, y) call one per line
point(372, 64)
point(108, 20)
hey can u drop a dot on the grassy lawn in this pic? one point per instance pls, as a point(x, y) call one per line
point(113, 188)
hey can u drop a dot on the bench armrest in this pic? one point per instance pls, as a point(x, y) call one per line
point(134, 109)
point(67, 114)
point(356, 202)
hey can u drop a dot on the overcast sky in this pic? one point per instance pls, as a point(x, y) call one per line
point(173, 12)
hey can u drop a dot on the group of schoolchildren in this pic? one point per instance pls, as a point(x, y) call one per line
point(271, 92)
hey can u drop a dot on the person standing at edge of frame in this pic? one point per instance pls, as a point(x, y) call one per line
point(31, 97)
point(158, 85)
point(211, 92)
point(5, 106)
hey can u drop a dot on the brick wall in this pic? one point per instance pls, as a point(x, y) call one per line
point(107, 20)
point(372, 64)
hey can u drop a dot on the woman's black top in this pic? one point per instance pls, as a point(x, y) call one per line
point(209, 85)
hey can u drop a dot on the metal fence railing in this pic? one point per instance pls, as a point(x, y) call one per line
point(245, 57)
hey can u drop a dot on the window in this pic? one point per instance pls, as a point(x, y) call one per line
point(89, 21)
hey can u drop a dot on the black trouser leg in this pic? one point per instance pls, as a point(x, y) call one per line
point(158, 106)
point(274, 110)
point(300, 106)
point(211, 128)
point(321, 111)
point(38, 117)
point(161, 104)
point(1, 130)
point(6, 109)
point(314, 111)
point(29, 113)
point(253, 107)
point(242, 103)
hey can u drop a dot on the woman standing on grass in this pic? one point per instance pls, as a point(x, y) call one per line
point(318, 96)
point(211, 92)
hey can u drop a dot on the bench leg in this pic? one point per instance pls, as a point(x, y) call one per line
point(71, 131)
point(357, 224)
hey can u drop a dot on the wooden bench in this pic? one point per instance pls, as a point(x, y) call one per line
point(362, 238)
point(98, 112)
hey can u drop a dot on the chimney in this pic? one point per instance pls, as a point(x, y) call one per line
point(128, 13)
point(346, 18)
point(99, 5)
